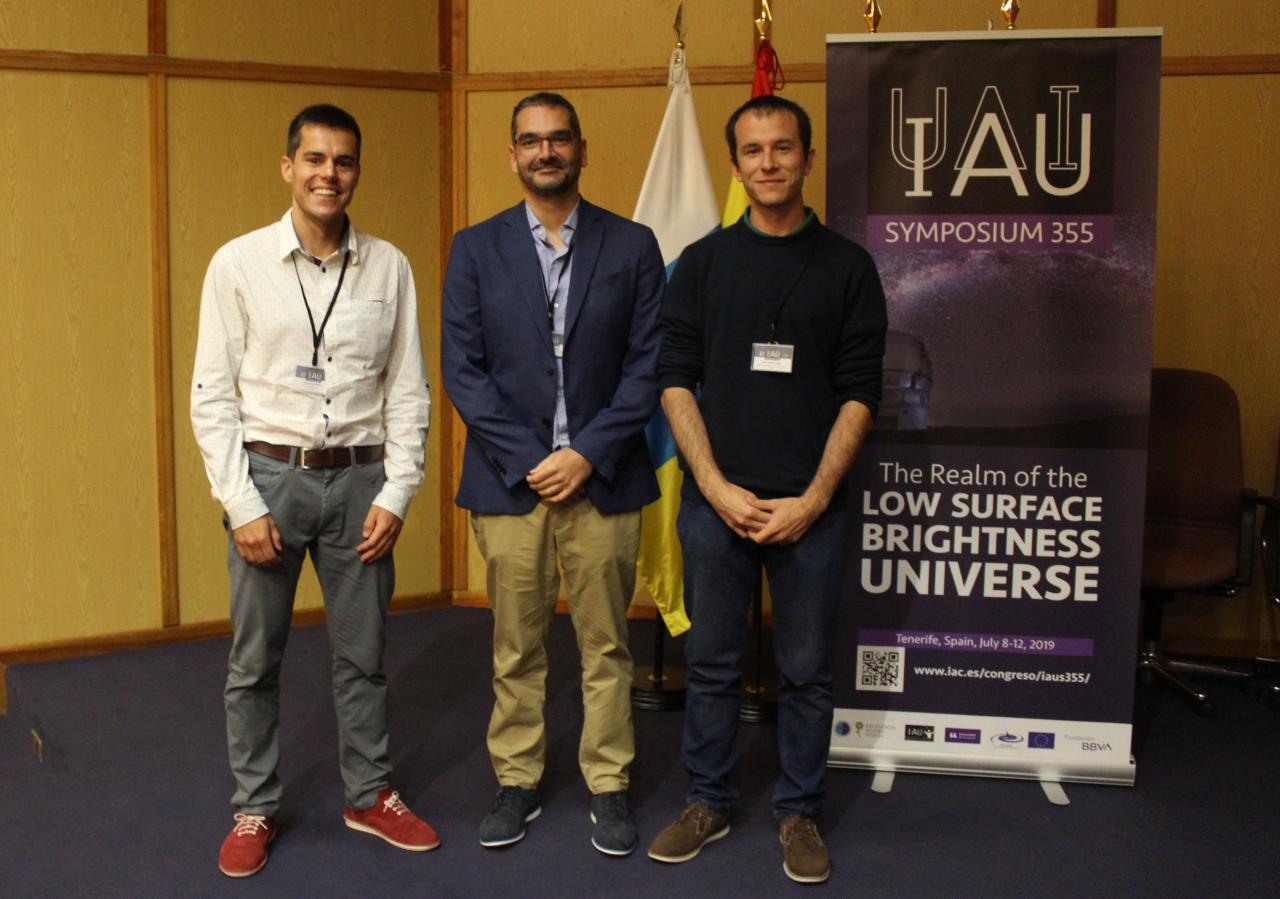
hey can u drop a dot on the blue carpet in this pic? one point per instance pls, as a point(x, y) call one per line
point(132, 799)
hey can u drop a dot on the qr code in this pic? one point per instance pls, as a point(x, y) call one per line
point(880, 668)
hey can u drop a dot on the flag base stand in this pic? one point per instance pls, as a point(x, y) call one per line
point(759, 704)
point(657, 688)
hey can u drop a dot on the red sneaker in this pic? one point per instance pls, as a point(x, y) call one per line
point(391, 819)
point(244, 851)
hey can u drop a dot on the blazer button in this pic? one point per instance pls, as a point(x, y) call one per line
point(546, 422)
point(551, 371)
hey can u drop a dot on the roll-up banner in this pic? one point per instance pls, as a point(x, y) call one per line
point(1005, 183)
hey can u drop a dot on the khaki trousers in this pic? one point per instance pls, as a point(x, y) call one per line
point(598, 556)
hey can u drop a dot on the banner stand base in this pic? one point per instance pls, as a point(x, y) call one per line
point(882, 782)
point(1053, 790)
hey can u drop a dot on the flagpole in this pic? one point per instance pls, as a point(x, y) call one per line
point(676, 169)
point(657, 689)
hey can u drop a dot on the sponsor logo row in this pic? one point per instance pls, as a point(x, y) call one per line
point(929, 733)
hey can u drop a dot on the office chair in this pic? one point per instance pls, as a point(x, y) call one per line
point(1199, 515)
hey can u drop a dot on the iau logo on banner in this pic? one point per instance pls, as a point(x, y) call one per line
point(1017, 139)
point(990, 126)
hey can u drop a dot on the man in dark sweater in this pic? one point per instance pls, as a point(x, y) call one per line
point(778, 324)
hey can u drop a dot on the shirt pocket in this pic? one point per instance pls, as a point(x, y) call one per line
point(359, 333)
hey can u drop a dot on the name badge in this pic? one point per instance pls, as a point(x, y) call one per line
point(774, 357)
point(557, 344)
point(309, 374)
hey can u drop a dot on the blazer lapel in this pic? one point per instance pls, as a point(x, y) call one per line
point(523, 271)
point(586, 250)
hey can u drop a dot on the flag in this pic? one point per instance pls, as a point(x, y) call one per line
point(768, 78)
point(679, 204)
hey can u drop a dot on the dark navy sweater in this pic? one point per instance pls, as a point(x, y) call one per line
point(767, 429)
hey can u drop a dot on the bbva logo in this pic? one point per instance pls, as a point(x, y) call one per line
point(919, 143)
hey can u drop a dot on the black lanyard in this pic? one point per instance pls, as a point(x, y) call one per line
point(546, 291)
point(786, 293)
point(316, 336)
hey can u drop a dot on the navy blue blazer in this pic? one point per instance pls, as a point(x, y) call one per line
point(499, 366)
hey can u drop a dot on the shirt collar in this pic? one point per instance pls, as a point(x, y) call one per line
point(540, 232)
point(809, 218)
point(288, 239)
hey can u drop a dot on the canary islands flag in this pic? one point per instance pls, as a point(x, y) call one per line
point(679, 204)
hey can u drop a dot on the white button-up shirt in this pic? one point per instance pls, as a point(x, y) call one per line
point(255, 336)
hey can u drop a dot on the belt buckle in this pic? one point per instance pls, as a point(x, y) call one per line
point(302, 459)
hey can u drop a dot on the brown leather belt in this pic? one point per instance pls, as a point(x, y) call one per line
point(333, 457)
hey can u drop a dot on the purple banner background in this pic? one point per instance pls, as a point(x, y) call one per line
point(1004, 358)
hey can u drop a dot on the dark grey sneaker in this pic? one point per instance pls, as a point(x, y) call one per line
point(504, 825)
point(804, 855)
point(696, 827)
point(614, 832)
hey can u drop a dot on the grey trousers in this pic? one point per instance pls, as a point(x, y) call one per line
point(320, 512)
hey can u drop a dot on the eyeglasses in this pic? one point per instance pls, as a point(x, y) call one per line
point(559, 140)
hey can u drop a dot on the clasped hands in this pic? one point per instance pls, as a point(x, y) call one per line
point(780, 521)
point(560, 476)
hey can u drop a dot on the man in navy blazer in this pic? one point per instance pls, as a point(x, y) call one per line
point(549, 351)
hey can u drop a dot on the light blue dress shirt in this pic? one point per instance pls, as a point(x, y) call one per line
point(556, 272)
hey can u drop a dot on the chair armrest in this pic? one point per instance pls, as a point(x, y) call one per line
point(1248, 520)
point(1271, 545)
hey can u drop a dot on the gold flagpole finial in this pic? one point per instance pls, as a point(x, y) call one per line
point(678, 27)
point(1010, 9)
point(764, 24)
point(872, 15)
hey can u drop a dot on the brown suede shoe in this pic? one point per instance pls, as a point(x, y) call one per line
point(804, 855)
point(696, 827)
point(244, 851)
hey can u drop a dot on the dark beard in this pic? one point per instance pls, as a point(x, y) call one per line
point(567, 185)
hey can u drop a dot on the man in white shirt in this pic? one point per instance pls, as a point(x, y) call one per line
point(309, 403)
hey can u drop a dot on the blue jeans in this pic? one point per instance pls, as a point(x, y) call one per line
point(720, 572)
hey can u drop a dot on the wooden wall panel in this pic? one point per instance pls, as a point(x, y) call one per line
point(224, 182)
point(376, 34)
point(1207, 29)
point(1218, 278)
point(1217, 273)
point(78, 496)
point(74, 26)
point(99, 574)
point(505, 35)
point(800, 28)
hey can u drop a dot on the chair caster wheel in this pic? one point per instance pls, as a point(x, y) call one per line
point(1206, 709)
